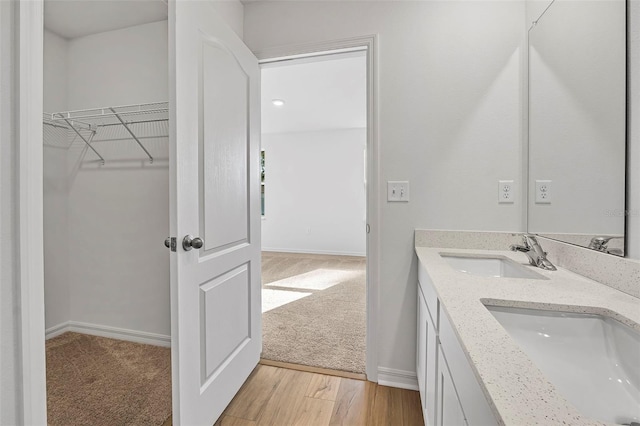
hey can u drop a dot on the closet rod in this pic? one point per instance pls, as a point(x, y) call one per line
point(88, 142)
point(132, 134)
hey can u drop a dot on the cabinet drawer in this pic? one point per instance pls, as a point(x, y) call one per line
point(430, 295)
point(476, 407)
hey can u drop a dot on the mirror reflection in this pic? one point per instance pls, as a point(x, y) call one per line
point(577, 119)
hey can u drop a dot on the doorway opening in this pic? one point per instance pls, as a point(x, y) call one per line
point(106, 213)
point(314, 206)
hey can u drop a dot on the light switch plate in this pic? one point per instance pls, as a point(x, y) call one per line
point(398, 191)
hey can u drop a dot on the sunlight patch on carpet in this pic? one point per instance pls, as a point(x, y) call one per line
point(272, 299)
point(319, 279)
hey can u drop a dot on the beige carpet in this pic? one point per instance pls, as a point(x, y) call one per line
point(314, 310)
point(98, 381)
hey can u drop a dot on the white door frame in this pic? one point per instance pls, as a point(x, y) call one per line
point(29, 73)
point(370, 43)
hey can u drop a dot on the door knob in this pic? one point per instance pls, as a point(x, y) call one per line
point(189, 242)
point(167, 242)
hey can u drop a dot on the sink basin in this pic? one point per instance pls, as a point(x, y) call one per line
point(593, 360)
point(490, 266)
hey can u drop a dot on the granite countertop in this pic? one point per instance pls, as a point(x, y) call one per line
point(516, 389)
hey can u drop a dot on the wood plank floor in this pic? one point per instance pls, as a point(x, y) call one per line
point(283, 397)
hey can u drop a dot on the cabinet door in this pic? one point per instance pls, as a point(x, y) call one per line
point(449, 412)
point(421, 354)
point(431, 380)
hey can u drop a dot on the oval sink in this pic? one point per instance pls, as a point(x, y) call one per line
point(489, 266)
point(593, 360)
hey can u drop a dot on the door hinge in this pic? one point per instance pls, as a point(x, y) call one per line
point(170, 243)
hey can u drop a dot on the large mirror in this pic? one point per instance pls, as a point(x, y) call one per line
point(577, 124)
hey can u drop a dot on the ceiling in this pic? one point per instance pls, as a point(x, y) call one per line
point(322, 93)
point(79, 18)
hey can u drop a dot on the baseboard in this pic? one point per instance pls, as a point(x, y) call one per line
point(110, 332)
point(397, 378)
point(56, 330)
point(328, 252)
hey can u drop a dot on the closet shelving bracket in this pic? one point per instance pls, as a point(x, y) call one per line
point(93, 120)
point(88, 140)
point(124, 124)
point(77, 127)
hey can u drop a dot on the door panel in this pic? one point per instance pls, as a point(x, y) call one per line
point(223, 143)
point(225, 319)
point(214, 172)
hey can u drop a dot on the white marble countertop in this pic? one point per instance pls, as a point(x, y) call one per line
point(518, 392)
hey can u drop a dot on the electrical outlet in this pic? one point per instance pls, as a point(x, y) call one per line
point(506, 192)
point(397, 191)
point(543, 192)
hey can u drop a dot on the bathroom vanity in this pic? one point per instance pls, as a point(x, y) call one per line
point(472, 371)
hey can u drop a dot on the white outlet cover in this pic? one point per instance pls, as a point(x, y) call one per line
point(543, 192)
point(506, 192)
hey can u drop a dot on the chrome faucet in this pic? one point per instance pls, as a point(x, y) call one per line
point(537, 256)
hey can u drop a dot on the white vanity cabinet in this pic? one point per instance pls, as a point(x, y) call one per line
point(449, 391)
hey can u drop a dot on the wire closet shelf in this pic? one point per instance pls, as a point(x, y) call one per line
point(137, 122)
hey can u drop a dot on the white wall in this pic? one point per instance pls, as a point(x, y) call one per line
point(120, 67)
point(56, 249)
point(118, 214)
point(577, 118)
point(633, 179)
point(314, 192)
point(55, 72)
point(10, 381)
point(232, 11)
point(449, 122)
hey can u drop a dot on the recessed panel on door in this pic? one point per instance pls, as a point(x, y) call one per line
point(223, 148)
point(225, 319)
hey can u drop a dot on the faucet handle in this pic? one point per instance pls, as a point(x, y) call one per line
point(529, 240)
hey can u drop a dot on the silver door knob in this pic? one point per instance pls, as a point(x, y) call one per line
point(167, 242)
point(189, 242)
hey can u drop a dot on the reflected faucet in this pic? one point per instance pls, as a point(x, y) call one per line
point(531, 248)
point(599, 243)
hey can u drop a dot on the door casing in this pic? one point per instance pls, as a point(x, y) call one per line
point(28, 80)
point(368, 44)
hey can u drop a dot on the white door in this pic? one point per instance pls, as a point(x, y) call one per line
point(215, 289)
